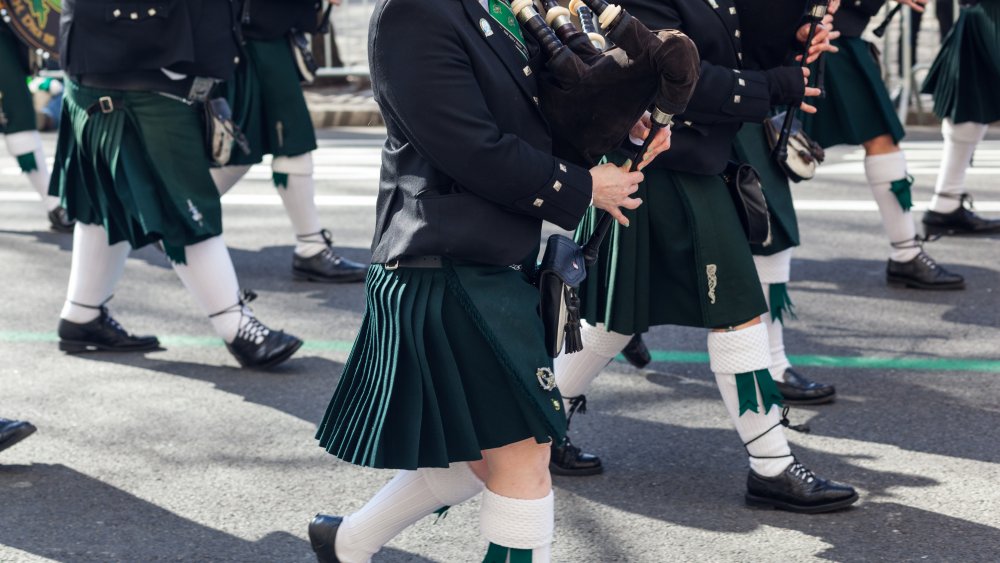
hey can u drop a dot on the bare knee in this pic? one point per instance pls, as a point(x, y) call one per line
point(883, 144)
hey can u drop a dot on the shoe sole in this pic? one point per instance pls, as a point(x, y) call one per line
point(813, 401)
point(81, 347)
point(277, 359)
point(556, 470)
point(948, 232)
point(763, 502)
point(908, 283)
point(310, 277)
point(25, 431)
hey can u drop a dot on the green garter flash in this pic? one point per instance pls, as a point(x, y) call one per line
point(27, 162)
point(747, 391)
point(498, 554)
point(781, 302)
point(280, 180)
point(901, 189)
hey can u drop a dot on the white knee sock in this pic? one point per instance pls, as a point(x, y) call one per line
point(575, 372)
point(297, 188)
point(228, 176)
point(882, 170)
point(94, 272)
point(960, 141)
point(210, 278)
point(772, 270)
point(26, 142)
point(408, 497)
point(742, 351)
point(519, 524)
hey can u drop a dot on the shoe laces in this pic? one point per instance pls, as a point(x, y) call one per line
point(108, 320)
point(801, 472)
point(253, 330)
point(576, 404)
point(928, 261)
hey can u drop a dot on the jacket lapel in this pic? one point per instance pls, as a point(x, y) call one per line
point(492, 33)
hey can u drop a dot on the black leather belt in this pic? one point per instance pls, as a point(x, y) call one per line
point(141, 81)
point(415, 262)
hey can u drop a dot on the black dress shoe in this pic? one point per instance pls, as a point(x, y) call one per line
point(798, 390)
point(798, 489)
point(257, 346)
point(13, 431)
point(327, 266)
point(59, 220)
point(569, 460)
point(323, 537)
point(636, 352)
point(922, 273)
point(962, 221)
point(102, 334)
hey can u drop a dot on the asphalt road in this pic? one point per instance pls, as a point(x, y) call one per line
point(180, 455)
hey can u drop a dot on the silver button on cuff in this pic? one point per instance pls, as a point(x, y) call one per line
point(736, 99)
point(538, 202)
point(557, 185)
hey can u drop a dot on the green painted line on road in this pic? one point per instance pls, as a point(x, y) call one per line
point(669, 356)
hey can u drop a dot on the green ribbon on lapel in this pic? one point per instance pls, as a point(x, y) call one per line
point(901, 189)
point(747, 384)
point(501, 12)
point(781, 303)
point(498, 554)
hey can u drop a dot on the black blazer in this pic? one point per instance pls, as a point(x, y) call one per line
point(271, 19)
point(119, 37)
point(467, 170)
point(727, 93)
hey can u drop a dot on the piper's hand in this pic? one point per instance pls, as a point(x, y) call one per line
point(660, 143)
point(612, 187)
point(821, 40)
point(810, 92)
point(917, 5)
point(833, 6)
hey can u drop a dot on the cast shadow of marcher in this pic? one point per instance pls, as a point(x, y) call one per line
point(55, 512)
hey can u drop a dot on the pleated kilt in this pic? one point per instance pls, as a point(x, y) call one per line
point(750, 147)
point(15, 99)
point(857, 107)
point(684, 260)
point(965, 76)
point(268, 104)
point(448, 362)
point(141, 171)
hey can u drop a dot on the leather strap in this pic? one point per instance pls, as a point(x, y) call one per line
point(415, 262)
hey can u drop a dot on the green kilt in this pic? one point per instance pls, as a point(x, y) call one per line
point(965, 76)
point(449, 362)
point(15, 99)
point(857, 107)
point(141, 171)
point(684, 260)
point(750, 147)
point(268, 104)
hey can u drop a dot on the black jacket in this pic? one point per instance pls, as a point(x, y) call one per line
point(467, 170)
point(122, 37)
point(271, 19)
point(769, 28)
point(727, 94)
point(853, 16)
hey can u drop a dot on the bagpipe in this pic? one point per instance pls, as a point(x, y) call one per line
point(592, 97)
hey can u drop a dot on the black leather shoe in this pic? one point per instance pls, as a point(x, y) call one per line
point(102, 334)
point(327, 266)
point(798, 489)
point(799, 390)
point(962, 221)
point(570, 461)
point(323, 537)
point(257, 346)
point(636, 352)
point(59, 221)
point(13, 431)
point(922, 273)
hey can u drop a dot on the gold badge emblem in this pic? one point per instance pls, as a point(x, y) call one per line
point(546, 379)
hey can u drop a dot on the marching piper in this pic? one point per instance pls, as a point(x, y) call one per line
point(450, 381)
point(18, 124)
point(271, 111)
point(685, 260)
point(133, 167)
point(964, 80)
point(857, 110)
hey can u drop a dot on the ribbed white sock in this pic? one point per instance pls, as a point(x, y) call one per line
point(575, 372)
point(519, 524)
point(299, 198)
point(774, 269)
point(408, 497)
point(882, 170)
point(960, 141)
point(211, 279)
point(228, 176)
point(94, 272)
point(24, 142)
point(742, 351)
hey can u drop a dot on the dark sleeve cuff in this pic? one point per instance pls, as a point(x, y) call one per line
point(564, 197)
point(785, 85)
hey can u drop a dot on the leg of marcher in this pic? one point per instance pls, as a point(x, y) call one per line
point(950, 212)
point(517, 516)
point(26, 146)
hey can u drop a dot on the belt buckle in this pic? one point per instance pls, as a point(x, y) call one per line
point(107, 104)
point(390, 266)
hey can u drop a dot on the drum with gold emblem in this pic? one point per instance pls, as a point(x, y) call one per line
point(35, 22)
